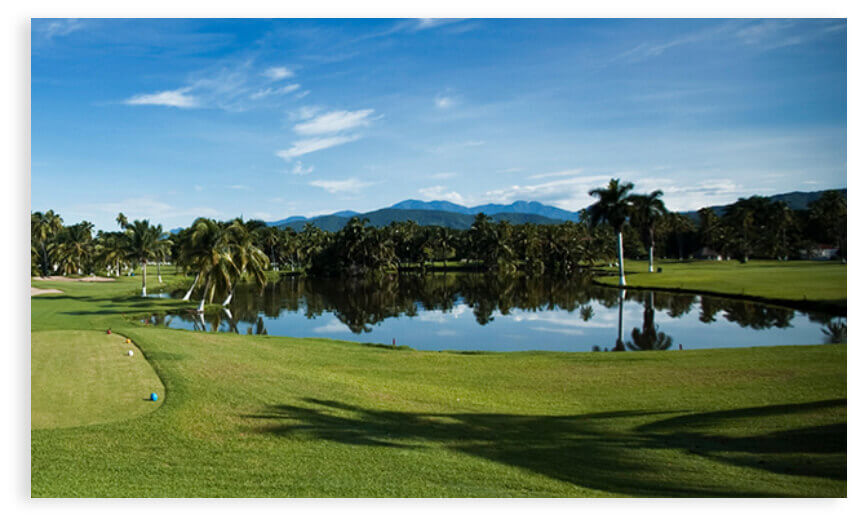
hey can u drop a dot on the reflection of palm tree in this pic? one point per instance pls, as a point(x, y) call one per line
point(586, 313)
point(835, 332)
point(648, 337)
point(620, 345)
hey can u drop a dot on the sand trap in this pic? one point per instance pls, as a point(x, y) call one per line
point(40, 291)
point(87, 279)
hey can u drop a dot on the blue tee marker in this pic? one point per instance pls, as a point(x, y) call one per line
point(154, 396)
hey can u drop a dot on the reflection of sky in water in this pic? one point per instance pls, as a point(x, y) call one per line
point(557, 330)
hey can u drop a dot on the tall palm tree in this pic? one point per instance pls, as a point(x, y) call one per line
point(74, 247)
point(112, 251)
point(210, 256)
point(144, 243)
point(647, 209)
point(44, 228)
point(246, 257)
point(613, 207)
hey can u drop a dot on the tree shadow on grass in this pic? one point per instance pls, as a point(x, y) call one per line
point(612, 451)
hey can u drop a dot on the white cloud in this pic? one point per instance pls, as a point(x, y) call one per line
point(440, 192)
point(333, 326)
point(305, 112)
point(175, 98)
point(336, 121)
point(278, 73)
point(564, 331)
point(300, 170)
point(268, 91)
point(301, 147)
point(350, 185)
point(264, 216)
point(148, 208)
point(198, 188)
point(558, 174)
point(443, 175)
point(569, 193)
point(440, 316)
point(444, 102)
point(60, 27)
point(238, 187)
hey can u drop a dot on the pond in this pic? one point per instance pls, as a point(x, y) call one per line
point(481, 312)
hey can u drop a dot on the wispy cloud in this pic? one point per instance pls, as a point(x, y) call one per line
point(278, 73)
point(300, 170)
point(444, 102)
point(148, 208)
point(279, 91)
point(763, 35)
point(231, 86)
point(238, 187)
point(350, 185)
point(53, 28)
point(176, 98)
point(301, 147)
point(443, 175)
point(558, 174)
point(333, 122)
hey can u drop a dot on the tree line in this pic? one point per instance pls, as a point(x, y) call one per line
point(220, 254)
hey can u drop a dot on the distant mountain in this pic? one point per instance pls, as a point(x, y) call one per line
point(794, 200)
point(446, 206)
point(444, 213)
point(518, 207)
point(385, 216)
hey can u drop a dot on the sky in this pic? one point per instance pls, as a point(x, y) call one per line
point(174, 119)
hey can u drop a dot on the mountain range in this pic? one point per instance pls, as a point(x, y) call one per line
point(447, 214)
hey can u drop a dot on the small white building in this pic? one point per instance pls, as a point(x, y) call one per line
point(820, 252)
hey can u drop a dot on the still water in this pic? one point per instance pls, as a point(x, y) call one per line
point(479, 312)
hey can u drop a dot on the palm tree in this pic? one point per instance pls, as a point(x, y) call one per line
point(144, 244)
point(211, 257)
point(112, 250)
point(246, 257)
point(647, 209)
point(613, 208)
point(74, 247)
point(122, 221)
point(44, 229)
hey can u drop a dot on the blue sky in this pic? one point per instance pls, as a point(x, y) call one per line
point(172, 119)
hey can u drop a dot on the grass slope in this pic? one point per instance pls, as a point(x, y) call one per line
point(81, 378)
point(798, 281)
point(265, 416)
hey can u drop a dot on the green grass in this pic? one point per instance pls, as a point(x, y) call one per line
point(813, 281)
point(266, 416)
point(81, 378)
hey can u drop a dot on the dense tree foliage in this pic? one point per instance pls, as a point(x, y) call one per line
point(220, 254)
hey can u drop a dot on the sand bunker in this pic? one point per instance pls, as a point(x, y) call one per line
point(87, 279)
point(40, 291)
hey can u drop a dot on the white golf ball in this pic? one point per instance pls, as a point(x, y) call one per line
point(130, 353)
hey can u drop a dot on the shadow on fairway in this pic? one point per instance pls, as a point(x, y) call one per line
point(600, 451)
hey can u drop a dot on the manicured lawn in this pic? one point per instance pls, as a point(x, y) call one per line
point(266, 416)
point(86, 377)
point(816, 281)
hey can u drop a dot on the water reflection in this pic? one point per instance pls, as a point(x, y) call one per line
point(432, 312)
